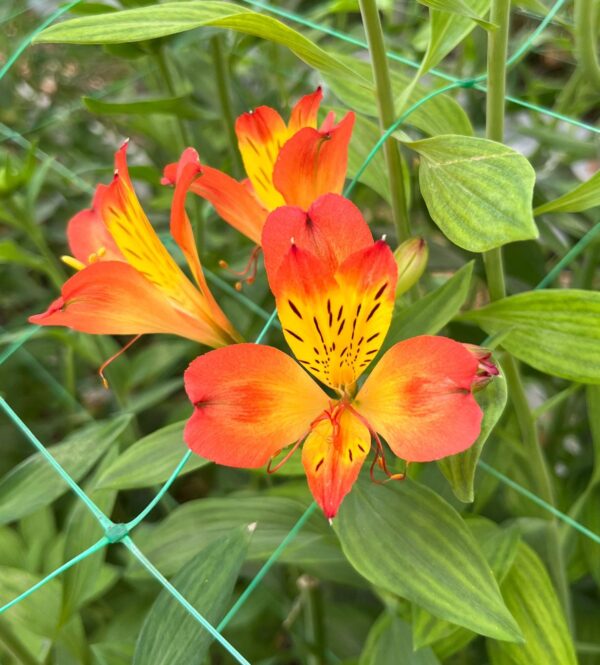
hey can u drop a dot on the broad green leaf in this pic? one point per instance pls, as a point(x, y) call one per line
point(431, 313)
point(583, 197)
point(151, 460)
point(170, 634)
point(113, 653)
point(477, 191)
point(408, 540)
point(529, 595)
point(390, 642)
point(447, 30)
point(12, 547)
point(34, 483)
point(182, 107)
point(40, 612)
point(188, 528)
point(556, 330)
point(460, 8)
point(171, 18)
point(460, 469)
point(83, 530)
point(440, 115)
point(499, 546)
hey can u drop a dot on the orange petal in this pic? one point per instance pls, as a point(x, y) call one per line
point(335, 323)
point(261, 133)
point(232, 200)
point(88, 236)
point(419, 398)
point(188, 168)
point(332, 229)
point(304, 114)
point(127, 223)
point(313, 162)
point(249, 402)
point(112, 298)
point(333, 455)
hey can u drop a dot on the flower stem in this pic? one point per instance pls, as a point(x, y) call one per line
point(586, 15)
point(495, 106)
point(385, 104)
point(223, 91)
point(313, 617)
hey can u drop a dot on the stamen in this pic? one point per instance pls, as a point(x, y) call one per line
point(106, 363)
point(248, 273)
point(72, 262)
point(286, 457)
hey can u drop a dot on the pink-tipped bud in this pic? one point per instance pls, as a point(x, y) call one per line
point(486, 370)
point(411, 257)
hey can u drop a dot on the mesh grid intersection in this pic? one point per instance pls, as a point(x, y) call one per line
point(120, 532)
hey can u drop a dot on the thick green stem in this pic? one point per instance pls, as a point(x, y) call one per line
point(495, 109)
point(385, 104)
point(165, 72)
point(586, 30)
point(223, 91)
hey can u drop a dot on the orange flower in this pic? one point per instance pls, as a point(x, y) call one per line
point(335, 295)
point(128, 284)
point(289, 164)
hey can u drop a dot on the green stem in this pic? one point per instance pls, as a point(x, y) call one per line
point(313, 619)
point(586, 29)
point(223, 91)
point(495, 110)
point(15, 646)
point(385, 104)
point(165, 72)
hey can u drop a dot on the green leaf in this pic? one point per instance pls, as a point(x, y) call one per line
point(530, 596)
point(390, 642)
point(151, 460)
point(408, 540)
point(459, 8)
point(12, 547)
point(40, 612)
point(182, 107)
point(440, 115)
point(477, 191)
point(499, 546)
point(556, 330)
point(171, 18)
point(460, 469)
point(432, 312)
point(189, 527)
point(447, 30)
point(583, 197)
point(34, 483)
point(170, 634)
point(83, 530)
point(10, 252)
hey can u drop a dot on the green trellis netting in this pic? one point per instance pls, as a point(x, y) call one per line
point(121, 533)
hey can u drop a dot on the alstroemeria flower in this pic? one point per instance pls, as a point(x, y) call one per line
point(291, 164)
point(334, 287)
point(127, 283)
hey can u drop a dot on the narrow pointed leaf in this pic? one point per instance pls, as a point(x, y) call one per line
point(530, 596)
point(477, 191)
point(556, 330)
point(161, 20)
point(34, 483)
point(170, 634)
point(408, 540)
point(459, 8)
point(182, 107)
point(583, 197)
point(150, 460)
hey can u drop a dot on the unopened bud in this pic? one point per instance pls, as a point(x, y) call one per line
point(411, 257)
point(486, 369)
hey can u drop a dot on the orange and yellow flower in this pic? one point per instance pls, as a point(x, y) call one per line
point(127, 283)
point(291, 164)
point(335, 293)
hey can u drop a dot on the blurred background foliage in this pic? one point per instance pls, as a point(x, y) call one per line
point(64, 109)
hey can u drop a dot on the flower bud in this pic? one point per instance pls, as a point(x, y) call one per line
point(486, 370)
point(411, 257)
